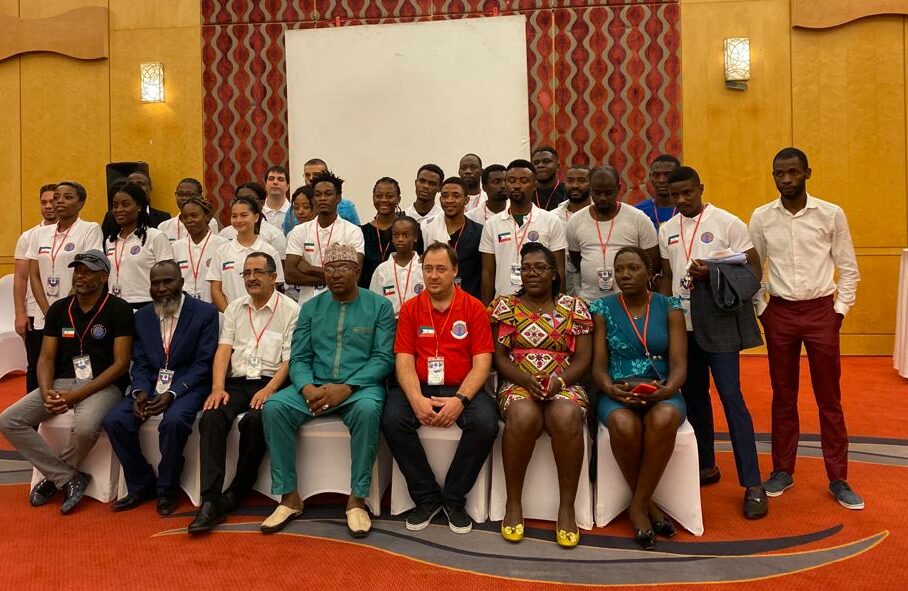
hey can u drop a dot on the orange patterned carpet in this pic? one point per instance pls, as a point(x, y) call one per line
point(807, 542)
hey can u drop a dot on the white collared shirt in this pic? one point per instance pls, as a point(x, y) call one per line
point(174, 229)
point(168, 324)
point(717, 231)
point(131, 263)
point(629, 227)
point(21, 254)
point(310, 241)
point(43, 247)
point(195, 260)
point(227, 266)
point(804, 250)
point(275, 217)
point(435, 231)
point(474, 201)
point(481, 214)
point(425, 219)
point(501, 237)
point(273, 348)
point(268, 233)
point(408, 283)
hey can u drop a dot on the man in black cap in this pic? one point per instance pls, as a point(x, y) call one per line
point(84, 358)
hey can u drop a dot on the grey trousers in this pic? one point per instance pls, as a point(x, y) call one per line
point(18, 422)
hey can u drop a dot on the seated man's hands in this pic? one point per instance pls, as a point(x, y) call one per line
point(325, 397)
point(158, 404)
point(424, 409)
point(447, 410)
point(217, 397)
point(55, 403)
point(139, 405)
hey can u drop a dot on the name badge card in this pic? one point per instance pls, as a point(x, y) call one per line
point(436, 371)
point(52, 288)
point(606, 278)
point(82, 368)
point(116, 290)
point(165, 381)
point(515, 275)
point(253, 367)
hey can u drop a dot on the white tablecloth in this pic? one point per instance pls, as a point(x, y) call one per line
point(900, 356)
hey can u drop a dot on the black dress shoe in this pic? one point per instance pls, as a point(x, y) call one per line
point(73, 491)
point(133, 500)
point(646, 539)
point(710, 475)
point(665, 528)
point(43, 492)
point(167, 502)
point(229, 502)
point(755, 505)
point(207, 518)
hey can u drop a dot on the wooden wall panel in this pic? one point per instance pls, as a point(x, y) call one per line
point(154, 14)
point(10, 185)
point(166, 135)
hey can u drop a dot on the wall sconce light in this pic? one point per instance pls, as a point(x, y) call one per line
point(737, 62)
point(151, 76)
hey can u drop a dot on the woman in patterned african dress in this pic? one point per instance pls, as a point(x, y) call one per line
point(639, 364)
point(543, 348)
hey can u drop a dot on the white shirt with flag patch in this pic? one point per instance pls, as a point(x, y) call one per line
point(131, 262)
point(227, 266)
point(310, 241)
point(502, 237)
point(408, 284)
point(194, 266)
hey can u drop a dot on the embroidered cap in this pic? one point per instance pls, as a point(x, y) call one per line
point(93, 259)
point(340, 252)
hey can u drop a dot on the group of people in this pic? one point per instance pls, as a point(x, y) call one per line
point(575, 299)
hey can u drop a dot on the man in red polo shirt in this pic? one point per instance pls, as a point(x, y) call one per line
point(443, 353)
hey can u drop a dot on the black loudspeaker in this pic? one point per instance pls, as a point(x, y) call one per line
point(118, 171)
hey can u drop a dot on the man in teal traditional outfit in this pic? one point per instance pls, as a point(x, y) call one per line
point(342, 351)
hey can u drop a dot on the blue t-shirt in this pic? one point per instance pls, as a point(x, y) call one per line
point(658, 217)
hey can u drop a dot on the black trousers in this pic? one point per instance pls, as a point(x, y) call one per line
point(479, 424)
point(33, 340)
point(214, 425)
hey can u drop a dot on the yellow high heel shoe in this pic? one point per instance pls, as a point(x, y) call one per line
point(512, 533)
point(567, 539)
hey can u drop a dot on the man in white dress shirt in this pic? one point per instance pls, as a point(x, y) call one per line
point(276, 206)
point(428, 184)
point(470, 172)
point(804, 241)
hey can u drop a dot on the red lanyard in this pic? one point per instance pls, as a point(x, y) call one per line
point(608, 238)
point(641, 338)
point(319, 240)
point(193, 266)
point(166, 341)
point(401, 295)
point(432, 316)
point(690, 249)
point(525, 230)
point(258, 335)
point(54, 249)
point(383, 251)
point(81, 335)
point(118, 254)
point(549, 200)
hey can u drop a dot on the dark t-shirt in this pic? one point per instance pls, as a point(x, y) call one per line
point(550, 198)
point(114, 319)
point(469, 259)
point(377, 246)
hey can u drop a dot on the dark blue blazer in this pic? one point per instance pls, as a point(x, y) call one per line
point(195, 339)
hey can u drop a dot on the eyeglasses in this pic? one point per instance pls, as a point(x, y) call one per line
point(535, 269)
point(257, 273)
point(334, 269)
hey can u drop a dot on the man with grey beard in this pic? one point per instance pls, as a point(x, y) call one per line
point(171, 375)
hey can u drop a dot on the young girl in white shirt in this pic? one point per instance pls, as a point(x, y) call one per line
point(400, 277)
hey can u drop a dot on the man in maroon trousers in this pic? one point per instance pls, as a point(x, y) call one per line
point(804, 241)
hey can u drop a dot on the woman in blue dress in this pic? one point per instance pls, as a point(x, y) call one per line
point(639, 365)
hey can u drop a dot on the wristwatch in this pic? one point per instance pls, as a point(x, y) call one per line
point(463, 399)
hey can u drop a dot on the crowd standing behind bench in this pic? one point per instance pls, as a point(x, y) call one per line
point(576, 300)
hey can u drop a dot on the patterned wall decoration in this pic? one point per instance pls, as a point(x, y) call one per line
point(604, 77)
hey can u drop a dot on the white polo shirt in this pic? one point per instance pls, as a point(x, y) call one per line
point(131, 262)
point(433, 213)
point(227, 266)
point(310, 241)
point(474, 201)
point(397, 283)
point(54, 251)
point(629, 227)
point(174, 229)
point(274, 321)
point(275, 217)
point(21, 254)
point(195, 260)
point(269, 234)
point(481, 214)
point(502, 237)
point(436, 230)
point(718, 230)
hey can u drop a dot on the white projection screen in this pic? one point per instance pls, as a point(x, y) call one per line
point(381, 100)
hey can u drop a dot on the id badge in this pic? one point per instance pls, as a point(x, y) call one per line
point(253, 367)
point(116, 290)
point(196, 295)
point(515, 275)
point(687, 282)
point(52, 288)
point(684, 292)
point(436, 371)
point(606, 278)
point(457, 281)
point(165, 381)
point(82, 367)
